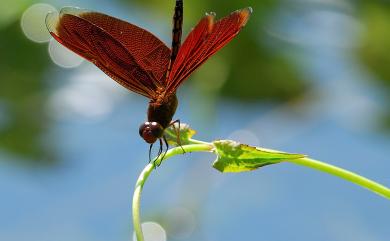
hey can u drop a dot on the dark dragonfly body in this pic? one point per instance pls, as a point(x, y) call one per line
point(160, 113)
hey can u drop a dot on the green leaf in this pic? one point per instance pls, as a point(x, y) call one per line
point(186, 133)
point(235, 157)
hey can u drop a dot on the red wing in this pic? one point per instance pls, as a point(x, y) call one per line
point(203, 41)
point(130, 55)
point(150, 52)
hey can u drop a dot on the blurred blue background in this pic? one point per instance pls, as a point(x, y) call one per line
point(304, 76)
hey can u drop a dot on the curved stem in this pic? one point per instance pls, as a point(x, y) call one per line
point(200, 146)
point(205, 147)
point(344, 174)
point(137, 200)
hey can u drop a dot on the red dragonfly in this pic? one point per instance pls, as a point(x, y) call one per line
point(142, 63)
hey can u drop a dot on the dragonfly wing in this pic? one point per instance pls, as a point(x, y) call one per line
point(204, 40)
point(107, 42)
point(150, 52)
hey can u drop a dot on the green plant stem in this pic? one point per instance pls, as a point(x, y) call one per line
point(344, 174)
point(204, 147)
point(200, 146)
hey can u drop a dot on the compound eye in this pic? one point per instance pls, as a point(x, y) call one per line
point(144, 127)
point(148, 136)
point(156, 129)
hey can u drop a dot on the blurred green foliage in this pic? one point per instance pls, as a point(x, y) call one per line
point(11, 10)
point(375, 50)
point(22, 93)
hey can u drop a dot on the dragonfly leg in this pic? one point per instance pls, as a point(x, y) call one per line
point(150, 152)
point(177, 133)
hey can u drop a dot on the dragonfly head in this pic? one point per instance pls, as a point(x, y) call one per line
point(151, 131)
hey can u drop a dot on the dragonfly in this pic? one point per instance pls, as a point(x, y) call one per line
point(142, 63)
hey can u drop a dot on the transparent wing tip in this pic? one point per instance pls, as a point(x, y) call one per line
point(244, 14)
point(71, 11)
point(51, 21)
point(211, 14)
point(53, 18)
point(249, 10)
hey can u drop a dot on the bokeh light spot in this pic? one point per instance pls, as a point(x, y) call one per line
point(33, 22)
point(182, 223)
point(152, 232)
point(62, 56)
